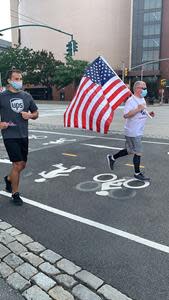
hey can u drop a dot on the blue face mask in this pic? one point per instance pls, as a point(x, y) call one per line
point(143, 93)
point(17, 85)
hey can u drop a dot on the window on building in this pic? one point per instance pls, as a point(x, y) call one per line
point(150, 4)
point(152, 17)
point(151, 43)
point(152, 67)
point(150, 55)
point(152, 29)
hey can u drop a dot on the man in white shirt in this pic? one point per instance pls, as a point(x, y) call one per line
point(135, 113)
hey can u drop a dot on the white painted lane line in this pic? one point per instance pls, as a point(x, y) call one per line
point(5, 161)
point(69, 154)
point(94, 224)
point(93, 136)
point(130, 165)
point(102, 146)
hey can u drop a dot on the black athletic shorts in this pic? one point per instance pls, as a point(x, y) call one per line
point(17, 149)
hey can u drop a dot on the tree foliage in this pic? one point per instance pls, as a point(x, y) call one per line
point(40, 67)
point(70, 72)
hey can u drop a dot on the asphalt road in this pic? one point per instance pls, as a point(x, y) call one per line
point(104, 221)
point(7, 293)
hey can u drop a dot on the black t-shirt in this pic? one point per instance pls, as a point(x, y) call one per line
point(11, 105)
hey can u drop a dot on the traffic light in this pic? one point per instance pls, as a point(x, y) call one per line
point(163, 82)
point(125, 72)
point(69, 48)
point(75, 46)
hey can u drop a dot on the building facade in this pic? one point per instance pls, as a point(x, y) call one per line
point(99, 27)
point(150, 36)
point(4, 45)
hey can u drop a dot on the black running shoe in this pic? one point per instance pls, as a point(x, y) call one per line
point(110, 161)
point(141, 177)
point(8, 185)
point(17, 199)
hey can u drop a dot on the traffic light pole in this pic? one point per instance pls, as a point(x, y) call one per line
point(147, 63)
point(37, 25)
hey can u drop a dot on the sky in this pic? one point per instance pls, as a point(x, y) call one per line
point(5, 19)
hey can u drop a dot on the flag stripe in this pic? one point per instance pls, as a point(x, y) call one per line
point(87, 107)
point(85, 84)
point(122, 95)
point(84, 94)
point(95, 111)
point(108, 120)
point(71, 106)
point(84, 106)
point(101, 117)
point(108, 87)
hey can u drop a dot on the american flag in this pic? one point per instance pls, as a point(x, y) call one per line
point(99, 93)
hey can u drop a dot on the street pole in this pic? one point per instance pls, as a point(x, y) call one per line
point(37, 25)
point(123, 68)
point(162, 96)
point(142, 72)
point(149, 63)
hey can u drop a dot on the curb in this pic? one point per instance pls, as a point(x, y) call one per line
point(40, 273)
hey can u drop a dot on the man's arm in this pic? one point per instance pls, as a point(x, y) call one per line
point(133, 112)
point(28, 115)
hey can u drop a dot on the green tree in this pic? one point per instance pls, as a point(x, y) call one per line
point(70, 72)
point(38, 67)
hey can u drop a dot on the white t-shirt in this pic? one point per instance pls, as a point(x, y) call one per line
point(134, 126)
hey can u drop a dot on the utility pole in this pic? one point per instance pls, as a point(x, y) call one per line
point(142, 72)
point(123, 68)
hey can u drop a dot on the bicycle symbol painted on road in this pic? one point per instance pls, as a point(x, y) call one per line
point(107, 184)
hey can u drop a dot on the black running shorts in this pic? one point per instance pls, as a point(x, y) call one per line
point(17, 149)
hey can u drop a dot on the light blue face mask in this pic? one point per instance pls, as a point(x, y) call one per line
point(144, 93)
point(17, 85)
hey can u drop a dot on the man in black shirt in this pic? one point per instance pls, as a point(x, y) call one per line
point(16, 108)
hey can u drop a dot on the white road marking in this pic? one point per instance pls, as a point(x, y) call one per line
point(102, 146)
point(5, 161)
point(130, 165)
point(94, 136)
point(69, 154)
point(94, 224)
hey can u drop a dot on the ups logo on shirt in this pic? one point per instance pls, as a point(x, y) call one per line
point(17, 104)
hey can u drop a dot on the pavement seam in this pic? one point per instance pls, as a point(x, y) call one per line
point(35, 271)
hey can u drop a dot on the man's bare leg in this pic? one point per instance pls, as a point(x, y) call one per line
point(14, 175)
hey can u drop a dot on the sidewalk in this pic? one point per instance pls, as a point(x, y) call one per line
point(155, 128)
point(41, 274)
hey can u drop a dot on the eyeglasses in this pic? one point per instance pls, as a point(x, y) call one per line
point(143, 88)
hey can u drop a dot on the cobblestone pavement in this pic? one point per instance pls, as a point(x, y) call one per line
point(41, 274)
